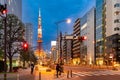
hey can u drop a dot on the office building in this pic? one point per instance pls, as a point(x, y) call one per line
point(13, 7)
point(29, 33)
point(107, 31)
point(76, 43)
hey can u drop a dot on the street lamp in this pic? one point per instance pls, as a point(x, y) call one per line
point(60, 40)
point(57, 23)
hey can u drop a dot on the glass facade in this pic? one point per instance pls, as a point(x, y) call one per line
point(99, 31)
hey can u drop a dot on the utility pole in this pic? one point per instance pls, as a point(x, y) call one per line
point(5, 41)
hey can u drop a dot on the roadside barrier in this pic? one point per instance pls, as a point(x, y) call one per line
point(39, 75)
point(69, 74)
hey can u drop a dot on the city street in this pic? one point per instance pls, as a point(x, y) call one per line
point(81, 73)
point(60, 40)
point(78, 73)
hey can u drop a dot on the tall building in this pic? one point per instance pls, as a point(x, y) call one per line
point(84, 51)
point(76, 43)
point(83, 44)
point(107, 31)
point(112, 26)
point(90, 36)
point(14, 7)
point(99, 43)
point(54, 54)
point(67, 50)
point(29, 33)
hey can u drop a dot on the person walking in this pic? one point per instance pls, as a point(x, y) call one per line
point(58, 70)
point(32, 68)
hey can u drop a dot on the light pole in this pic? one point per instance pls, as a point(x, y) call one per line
point(57, 24)
point(59, 47)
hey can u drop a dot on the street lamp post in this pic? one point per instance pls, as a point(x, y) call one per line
point(57, 23)
point(60, 40)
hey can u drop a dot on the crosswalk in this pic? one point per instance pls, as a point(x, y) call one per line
point(96, 73)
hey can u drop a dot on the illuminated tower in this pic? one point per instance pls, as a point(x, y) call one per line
point(39, 35)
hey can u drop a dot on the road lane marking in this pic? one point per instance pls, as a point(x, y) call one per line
point(96, 73)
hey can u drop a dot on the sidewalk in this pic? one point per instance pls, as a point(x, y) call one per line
point(24, 74)
point(48, 75)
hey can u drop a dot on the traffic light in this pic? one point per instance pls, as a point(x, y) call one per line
point(25, 45)
point(82, 38)
point(3, 9)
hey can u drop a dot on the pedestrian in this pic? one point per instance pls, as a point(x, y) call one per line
point(32, 68)
point(58, 70)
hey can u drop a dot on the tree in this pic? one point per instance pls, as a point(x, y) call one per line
point(15, 32)
point(27, 56)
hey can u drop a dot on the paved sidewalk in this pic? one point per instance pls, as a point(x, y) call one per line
point(24, 74)
point(47, 75)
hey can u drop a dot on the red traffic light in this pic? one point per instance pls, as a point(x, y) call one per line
point(25, 45)
point(4, 12)
point(81, 38)
point(3, 9)
point(84, 37)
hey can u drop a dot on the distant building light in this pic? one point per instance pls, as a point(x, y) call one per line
point(53, 43)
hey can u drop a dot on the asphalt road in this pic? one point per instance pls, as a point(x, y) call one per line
point(85, 73)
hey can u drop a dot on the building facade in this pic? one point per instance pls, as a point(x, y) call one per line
point(76, 43)
point(87, 28)
point(67, 50)
point(100, 33)
point(90, 36)
point(107, 31)
point(29, 33)
point(13, 7)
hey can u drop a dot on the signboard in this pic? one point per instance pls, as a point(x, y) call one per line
point(71, 37)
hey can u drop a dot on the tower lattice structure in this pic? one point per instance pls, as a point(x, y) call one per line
point(39, 41)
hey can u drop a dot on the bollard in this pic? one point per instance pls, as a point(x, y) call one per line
point(17, 76)
point(67, 74)
point(39, 75)
point(71, 73)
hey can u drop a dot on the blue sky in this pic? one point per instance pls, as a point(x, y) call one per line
point(53, 11)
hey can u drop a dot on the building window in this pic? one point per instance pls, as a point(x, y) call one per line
point(117, 21)
point(117, 5)
point(117, 12)
point(116, 29)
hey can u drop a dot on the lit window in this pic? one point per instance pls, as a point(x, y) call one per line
point(118, 40)
point(117, 12)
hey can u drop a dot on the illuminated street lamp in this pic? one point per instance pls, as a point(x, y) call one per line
point(57, 23)
point(68, 20)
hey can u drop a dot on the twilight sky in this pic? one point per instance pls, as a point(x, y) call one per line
point(53, 11)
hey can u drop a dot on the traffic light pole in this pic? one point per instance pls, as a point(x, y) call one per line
point(5, 35)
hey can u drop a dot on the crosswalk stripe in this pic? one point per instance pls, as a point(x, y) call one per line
point(97, 73)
